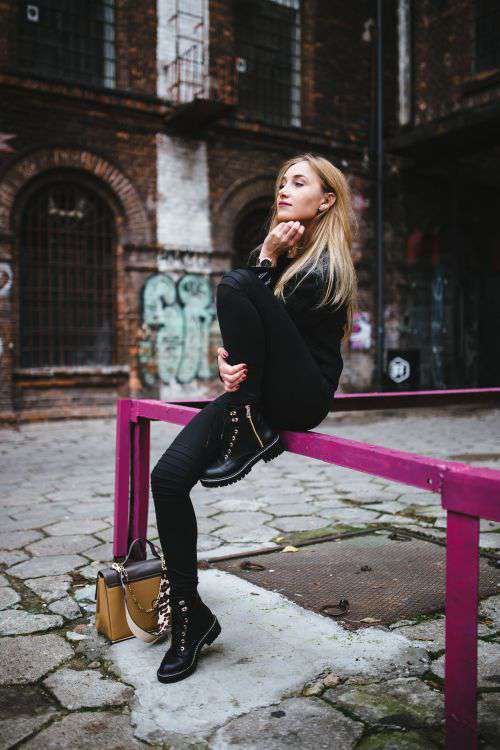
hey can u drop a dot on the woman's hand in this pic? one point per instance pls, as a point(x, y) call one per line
point(231, 375)
point(285, 235)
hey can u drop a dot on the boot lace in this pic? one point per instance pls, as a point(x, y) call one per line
point(180, 620)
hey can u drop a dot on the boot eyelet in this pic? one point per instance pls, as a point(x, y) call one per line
point(184, 609)
point(182, 648)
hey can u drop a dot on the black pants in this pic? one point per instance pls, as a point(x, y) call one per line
point(283, 379)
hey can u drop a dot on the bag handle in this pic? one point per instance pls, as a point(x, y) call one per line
point(152, 547)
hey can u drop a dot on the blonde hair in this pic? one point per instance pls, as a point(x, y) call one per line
point(329, 242)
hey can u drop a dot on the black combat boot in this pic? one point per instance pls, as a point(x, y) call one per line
point(193, 625)
point(245, 439)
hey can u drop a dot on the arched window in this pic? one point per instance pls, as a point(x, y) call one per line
point(67, 285)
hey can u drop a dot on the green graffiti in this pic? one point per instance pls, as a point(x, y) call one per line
point(174, 339)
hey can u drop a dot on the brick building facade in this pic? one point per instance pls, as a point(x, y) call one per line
point(138, 154)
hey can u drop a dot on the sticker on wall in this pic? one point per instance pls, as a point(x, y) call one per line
point(174, 341)
point(361, 335)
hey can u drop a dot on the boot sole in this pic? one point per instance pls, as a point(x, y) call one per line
point(273, 450)
point(212, 633)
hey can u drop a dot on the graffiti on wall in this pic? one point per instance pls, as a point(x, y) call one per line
point(175, 334)
point(5, 279)
point(361, 336)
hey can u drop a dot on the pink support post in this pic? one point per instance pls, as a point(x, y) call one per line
point(139, 520)
point(462, 590)
point(122, 478)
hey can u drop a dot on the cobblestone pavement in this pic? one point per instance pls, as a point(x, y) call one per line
point(59, 686)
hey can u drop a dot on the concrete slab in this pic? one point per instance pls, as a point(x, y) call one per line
point(268, 649)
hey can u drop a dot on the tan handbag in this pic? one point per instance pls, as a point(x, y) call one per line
point(133, 599)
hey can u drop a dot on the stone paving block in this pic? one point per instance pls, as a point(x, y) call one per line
point(62, 545)
point(10, 540)
point(87, 731)
point(80, 526)
point(85, 593)
point(92, 511)
point(392, 519)
point(488, 665)
point(241, 519)
point(431, 633)
point(490, 608)
point(294, 723)
point(49, 588)
point(236, 504)
point(86, 689)
point(392, 506)
point(297, 523)
point(406, 702)
point(489, 541)
point(350, 515)
point(102, 553)
point(419, 498)
point(17, 621)
point(15, 729)
point(37, 567)
point(239, 534)
point(488, 711)
point(207, 525)
point(291, 509)
point(90, 571)
point(11, 558)
point(208, 541)
point(25, 659)
point(8, 597)
point(365, 493)
point(66, 607)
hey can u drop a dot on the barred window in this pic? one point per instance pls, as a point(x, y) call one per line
point(68, 39)
point(487, 35)
point(267, 47)
point(66, 259)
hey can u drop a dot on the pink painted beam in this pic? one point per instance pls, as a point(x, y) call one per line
point(462, 591)
point(472, 490)
point(122, 478)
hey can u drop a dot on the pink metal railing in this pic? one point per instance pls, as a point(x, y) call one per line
point(467, 494)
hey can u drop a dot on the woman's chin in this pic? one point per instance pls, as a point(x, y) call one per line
point(287, 215)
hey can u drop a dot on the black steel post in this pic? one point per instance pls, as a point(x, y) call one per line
point(380, 338)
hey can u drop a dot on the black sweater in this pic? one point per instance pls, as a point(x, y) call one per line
point(322, 329)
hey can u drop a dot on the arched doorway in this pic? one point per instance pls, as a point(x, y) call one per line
point(67, 276)
point(250, 231)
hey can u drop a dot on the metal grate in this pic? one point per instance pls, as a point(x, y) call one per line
point(487, 35)
point(267, 49)
point(66, 278)
point(68, 39)
point(385, 576)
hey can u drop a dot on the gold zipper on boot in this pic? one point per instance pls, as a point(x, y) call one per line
point(247, 406)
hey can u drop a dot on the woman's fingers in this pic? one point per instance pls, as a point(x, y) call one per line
point(233, 378)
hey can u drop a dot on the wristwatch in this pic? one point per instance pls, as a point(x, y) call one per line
point(265, 263)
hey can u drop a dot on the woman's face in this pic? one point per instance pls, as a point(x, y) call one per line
point(301, 189)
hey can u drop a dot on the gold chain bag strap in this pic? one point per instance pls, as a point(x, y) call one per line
point(123, 593)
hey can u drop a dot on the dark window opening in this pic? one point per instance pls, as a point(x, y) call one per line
point(68, 39)
point(67, 285)
point(267, 47)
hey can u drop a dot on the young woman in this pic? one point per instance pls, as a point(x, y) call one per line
point(282, 321)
